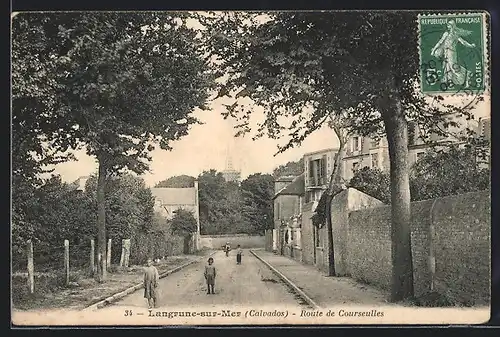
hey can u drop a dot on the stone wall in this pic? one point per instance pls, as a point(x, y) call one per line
point(307, 235)
point(342, 203)
point(462, 247)
point(450, 246)
point(245, 241)
point(269, 240)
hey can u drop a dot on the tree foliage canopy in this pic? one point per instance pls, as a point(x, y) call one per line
point(182, 181)
point(292, 168)
point(303, 67)
point(107, 81)
point(183, 222)
point(373, 182)
point(257, 191)
point(448, 171)
point(440, 172)
point(58, 211)
point(129, 205)
point(115, 83)
point(230, 208)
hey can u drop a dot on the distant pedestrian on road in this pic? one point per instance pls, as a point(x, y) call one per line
point(239, 252)
point(210, 275)
point(151, 280)
point(227, 248)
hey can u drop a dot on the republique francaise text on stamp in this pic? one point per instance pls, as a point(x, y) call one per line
point(452, 53)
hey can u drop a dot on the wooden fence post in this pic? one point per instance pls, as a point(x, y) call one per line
point(108, 256)
point(31, 267)
point(99, 266)
point(127, 253)
point(66, 260)
point(122, 257)
point(92, 257)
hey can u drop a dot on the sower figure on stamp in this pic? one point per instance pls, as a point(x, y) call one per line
point(151, 280)
point(239, 253)
point(446, 49)
point(210, 275)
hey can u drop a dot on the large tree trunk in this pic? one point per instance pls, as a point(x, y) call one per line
point(101, 221)
point(335, 180)
point(397, 137)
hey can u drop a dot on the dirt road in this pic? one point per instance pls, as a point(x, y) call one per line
point(248, 284)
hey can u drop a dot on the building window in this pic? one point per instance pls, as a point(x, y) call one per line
point(411, 133)
point(356, 144)
point(355, 167)
point(317, 171)
point(374, 143)
point(374, 160)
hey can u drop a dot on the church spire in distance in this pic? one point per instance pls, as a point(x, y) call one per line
point(230, 174)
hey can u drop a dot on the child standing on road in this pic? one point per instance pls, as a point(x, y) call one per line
point(239, 252)
point(151, 279)
point(210, 274)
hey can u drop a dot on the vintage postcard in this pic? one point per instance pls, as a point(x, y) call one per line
point(250, 168)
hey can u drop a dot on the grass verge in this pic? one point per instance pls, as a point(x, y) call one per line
point(51, 292)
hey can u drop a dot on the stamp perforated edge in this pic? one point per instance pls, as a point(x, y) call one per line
point(486, 48)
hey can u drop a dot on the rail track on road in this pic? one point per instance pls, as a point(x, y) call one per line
point(299, 294)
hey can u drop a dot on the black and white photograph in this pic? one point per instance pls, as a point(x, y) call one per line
point(250, 168)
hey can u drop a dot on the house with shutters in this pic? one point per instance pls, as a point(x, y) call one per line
point(318, 167)
point(374, 153)
point(362, 152)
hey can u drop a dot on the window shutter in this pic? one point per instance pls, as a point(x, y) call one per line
point(365, 145)
point(323, 166)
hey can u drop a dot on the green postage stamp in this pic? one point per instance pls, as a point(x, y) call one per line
point(453, 53)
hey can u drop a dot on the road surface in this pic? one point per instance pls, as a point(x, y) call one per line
point(250, 284)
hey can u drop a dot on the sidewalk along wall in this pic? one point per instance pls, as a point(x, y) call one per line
point(450, 247)
point(244, 240)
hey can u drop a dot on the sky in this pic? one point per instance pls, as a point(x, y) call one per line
point(207, 147)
